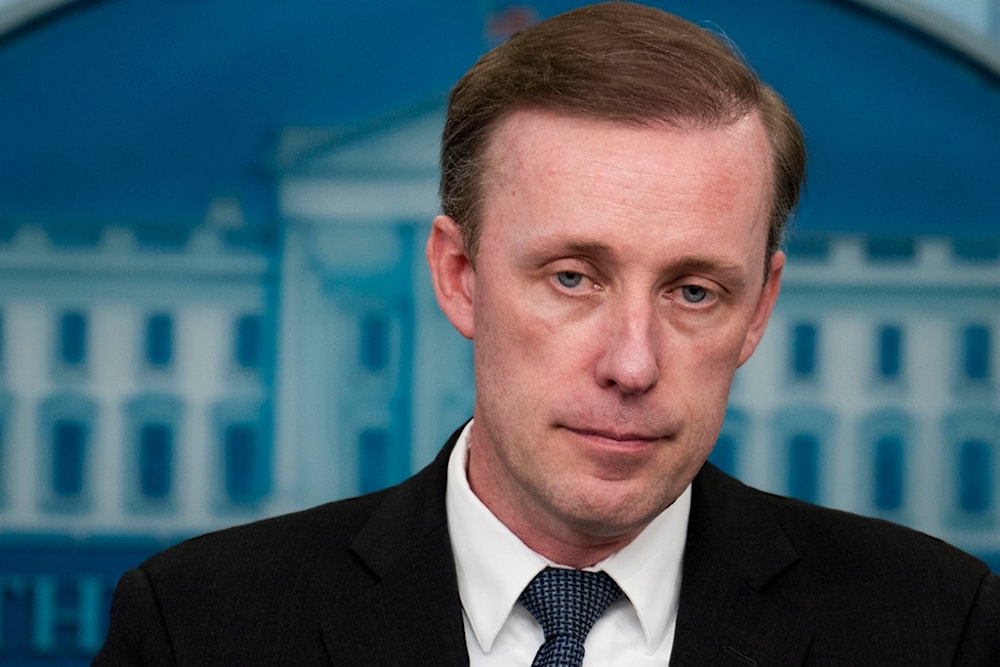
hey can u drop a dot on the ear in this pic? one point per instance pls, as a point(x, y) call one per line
point(452, 273)
point(762, 313)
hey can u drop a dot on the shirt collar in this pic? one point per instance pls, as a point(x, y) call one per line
point(489, 586)
point(648, 569)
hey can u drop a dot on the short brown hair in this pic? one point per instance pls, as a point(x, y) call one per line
point(616, 61)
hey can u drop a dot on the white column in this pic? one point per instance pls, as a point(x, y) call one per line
point(112, 364)
point(28, 372)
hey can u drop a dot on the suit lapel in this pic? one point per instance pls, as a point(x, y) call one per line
point(735, 549)
point(412, 614)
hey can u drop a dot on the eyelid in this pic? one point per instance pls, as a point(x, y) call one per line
point(574, 265)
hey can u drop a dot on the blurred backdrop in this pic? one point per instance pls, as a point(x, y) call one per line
point(214, 305)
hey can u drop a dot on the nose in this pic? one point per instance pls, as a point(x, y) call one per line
point(629, 358)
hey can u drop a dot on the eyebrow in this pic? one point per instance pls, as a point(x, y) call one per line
point(730, 270)
point(594, 249)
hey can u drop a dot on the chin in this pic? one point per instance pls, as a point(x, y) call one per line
point(610, 513)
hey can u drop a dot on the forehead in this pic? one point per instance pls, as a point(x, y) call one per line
point(556, 166)
point(536, 133)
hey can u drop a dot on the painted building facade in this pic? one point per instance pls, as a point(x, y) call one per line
point(875, 388)
point(137, 383)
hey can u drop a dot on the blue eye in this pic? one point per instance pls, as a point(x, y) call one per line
point(694, 293)
point(569, 278)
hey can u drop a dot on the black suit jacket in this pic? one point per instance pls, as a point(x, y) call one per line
point(371, 581)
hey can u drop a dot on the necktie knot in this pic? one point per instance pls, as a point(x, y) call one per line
point(567, 603)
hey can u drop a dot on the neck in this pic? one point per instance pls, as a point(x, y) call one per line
point(573, 544)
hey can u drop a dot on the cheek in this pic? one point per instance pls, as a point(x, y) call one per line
point(698, 376)
point(526, 326)
point(510, 346)
point(706, 353)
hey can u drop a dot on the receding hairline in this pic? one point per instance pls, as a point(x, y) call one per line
point(615, 61)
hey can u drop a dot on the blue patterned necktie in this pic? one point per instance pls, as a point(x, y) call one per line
point(567, 603)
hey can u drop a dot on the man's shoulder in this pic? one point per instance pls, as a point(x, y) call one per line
point(267, 545)
point(826, 534)
point(860, 589)
point(839, 546)
point(325, 532)
point(259, 593)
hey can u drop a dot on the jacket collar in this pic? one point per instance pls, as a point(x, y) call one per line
point(413, 613)
point(735, 549)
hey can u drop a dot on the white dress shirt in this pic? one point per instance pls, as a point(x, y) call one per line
point(494, 566)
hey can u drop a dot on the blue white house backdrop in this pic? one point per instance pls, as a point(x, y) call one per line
point(214, 305)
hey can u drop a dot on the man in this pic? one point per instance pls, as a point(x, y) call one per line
point(615, 183)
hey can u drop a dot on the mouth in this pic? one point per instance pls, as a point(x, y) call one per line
point(614, 455)
point(614, 438)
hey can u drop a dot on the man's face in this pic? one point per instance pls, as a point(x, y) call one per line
point(618, 286)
